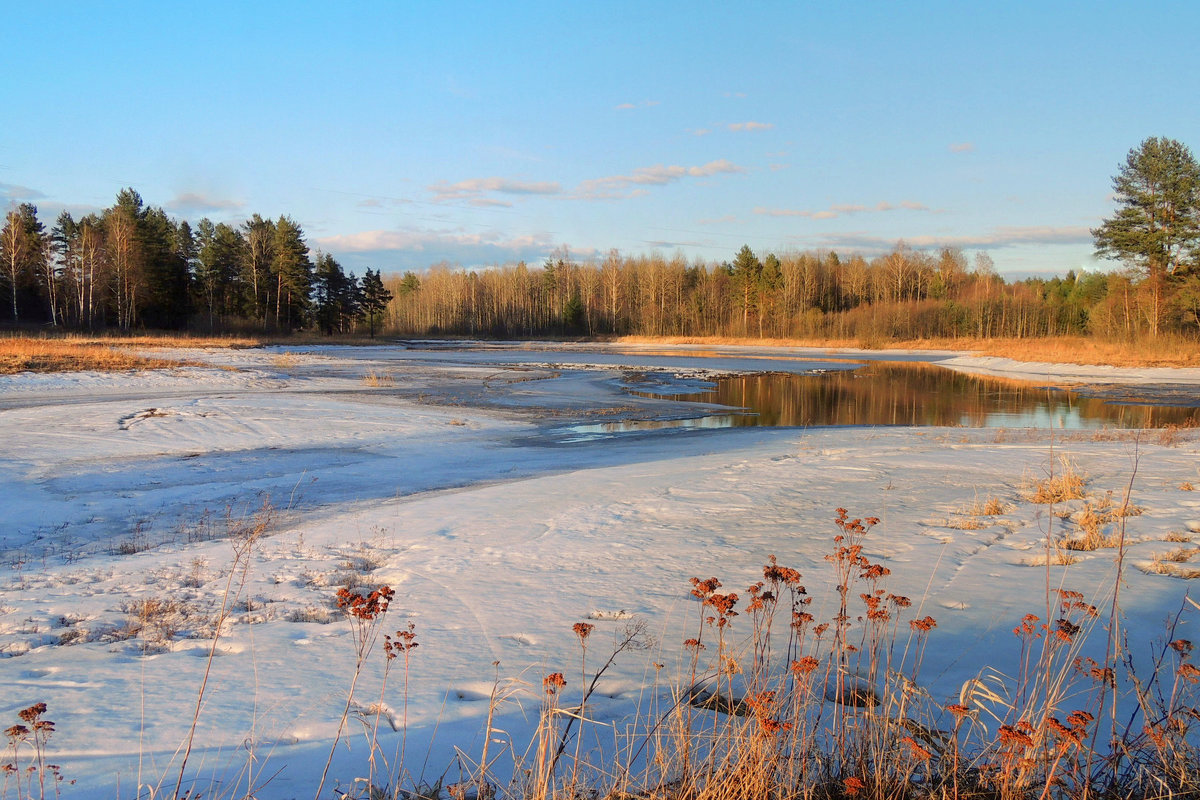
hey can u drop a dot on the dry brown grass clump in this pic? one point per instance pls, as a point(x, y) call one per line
point(1065, 483)
point(1176, 563)
point(377, 379)
point(157, 619)
point(1092, 523)
point(1095, 520)
point(967, 523)
point(990, 506)
point(972, 517)
point(70, 355)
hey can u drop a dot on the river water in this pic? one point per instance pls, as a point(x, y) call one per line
point(914, 394)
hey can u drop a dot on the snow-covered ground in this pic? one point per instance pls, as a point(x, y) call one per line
point(440, 473)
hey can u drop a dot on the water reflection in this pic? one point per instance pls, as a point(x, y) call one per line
point(883, 393)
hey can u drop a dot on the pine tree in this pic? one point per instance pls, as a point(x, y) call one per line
point(375, 298)
point(747, 271)
point(165, 302)
point(21, 250)
point(1157, 225)
point(292, 270)
point(333, 294)
point(221, 254)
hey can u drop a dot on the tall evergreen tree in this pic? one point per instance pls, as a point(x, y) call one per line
point(1157, 225)
point(221, 255)
point(375, 298)
point(22, 249)
point(747, 272)
point(164, 303)
point(292, 270)
point(257, 260)
point(124, 254)
point(334, 294)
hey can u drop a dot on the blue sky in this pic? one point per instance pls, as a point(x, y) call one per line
point(401, 134)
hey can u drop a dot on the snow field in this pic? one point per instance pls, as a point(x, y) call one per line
point(495, 544)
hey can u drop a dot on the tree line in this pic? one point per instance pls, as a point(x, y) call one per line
point(132, 266)
point(903, 294)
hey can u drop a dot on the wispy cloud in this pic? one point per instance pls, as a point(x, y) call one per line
point(392, 250)
point(779, 167)
point(725, 220)
point(699, 131)
point(14, 193)
point(841, 209)
point(750, 126)
point(617, 186)
point(996, 238)
point(664, 244)
point(474, 191)
point(199, 203)
point(734, 95)
point(962, 147)
point(642, 104)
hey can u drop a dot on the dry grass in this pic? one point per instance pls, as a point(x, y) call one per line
point(1093, 522)
point(990, 506)
point(1166, 351)
point(110, 353)
point(1175, 563)
point(285, 361)
point(376, 379)
point(71, 355)
point(164, 340)
point(158, 619)
point(966, 522)
point(1065, 483)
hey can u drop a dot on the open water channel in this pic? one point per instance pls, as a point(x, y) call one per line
point(911, 393)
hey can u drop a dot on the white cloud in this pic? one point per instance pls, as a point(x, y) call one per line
point(1007, 236)
point(665, 244)
point(13, 193)
point(962, 147)
point(614, 186)
point(728, 218)
point(198, 203)
point(488, 202)
point(841, 209)
point(700, 132)
point(392, 250)
point(750, 126)
point(474, 189)
point(642, 104)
